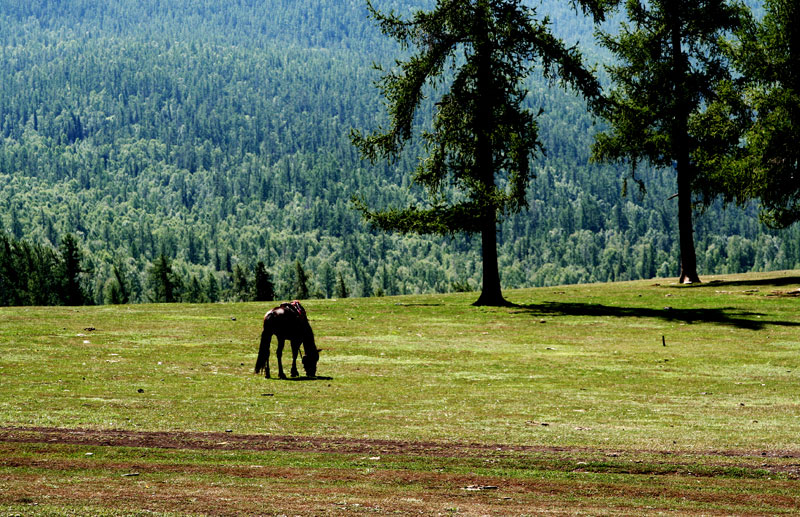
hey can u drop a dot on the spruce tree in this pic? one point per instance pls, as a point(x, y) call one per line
point(212, 288)
point(116, 289)
point(768, 56)
point(341, 287)
point(163, 281)
point(670, 66)
point(72, 292)
point(241, 284)
point(482, 138)
point(300, 282)
point(264, 288)
point(194, 293)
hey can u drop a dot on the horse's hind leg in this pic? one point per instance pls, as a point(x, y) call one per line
point(295, 350)
point(279, 352)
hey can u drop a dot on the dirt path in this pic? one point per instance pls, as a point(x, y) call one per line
point(38, 483)
point(268, 442)
point(231, 441)
point(251, 442)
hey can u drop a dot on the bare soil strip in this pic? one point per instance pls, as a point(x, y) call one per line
point(753, 460)
point(82, 485)
point(266, 442)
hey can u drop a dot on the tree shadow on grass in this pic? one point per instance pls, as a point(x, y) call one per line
point(780, 281)
point(724, 316)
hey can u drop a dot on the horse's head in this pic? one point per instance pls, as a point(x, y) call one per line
point(310, 362)
point(312, 353)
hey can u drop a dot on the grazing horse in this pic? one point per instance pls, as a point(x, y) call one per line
point(288, 321)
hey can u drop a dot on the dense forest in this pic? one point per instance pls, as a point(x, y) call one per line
point(207, 145)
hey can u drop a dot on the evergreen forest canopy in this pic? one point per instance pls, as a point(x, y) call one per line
point(200, 146)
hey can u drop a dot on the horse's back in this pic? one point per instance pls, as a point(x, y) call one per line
point(282, 323)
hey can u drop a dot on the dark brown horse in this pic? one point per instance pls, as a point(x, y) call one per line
point(288, 321)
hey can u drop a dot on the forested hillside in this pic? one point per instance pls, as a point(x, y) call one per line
point(217, 134)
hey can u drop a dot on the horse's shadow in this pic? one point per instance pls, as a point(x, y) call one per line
point(304, 378)
point(728, 316)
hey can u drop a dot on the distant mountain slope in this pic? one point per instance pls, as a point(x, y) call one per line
point(218, 133)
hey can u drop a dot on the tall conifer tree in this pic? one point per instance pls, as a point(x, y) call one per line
point(71, 271)
point(482, 138)
point(300, 284)
point(163, 280)
point(670, 67)
point(769, 58)
point(264, 288)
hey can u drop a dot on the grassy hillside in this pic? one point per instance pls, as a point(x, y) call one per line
point(577, 397)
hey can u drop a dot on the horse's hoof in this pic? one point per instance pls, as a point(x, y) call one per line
point(282, 376)
point(295, 374)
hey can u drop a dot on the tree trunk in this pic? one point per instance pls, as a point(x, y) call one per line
point(491, 293)
point(685, 226)
point(680, 150)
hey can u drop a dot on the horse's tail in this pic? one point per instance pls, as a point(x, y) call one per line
point(263, 349)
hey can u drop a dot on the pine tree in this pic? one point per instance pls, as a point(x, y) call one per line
point(341, 288)
point(768, 56)
point(164, 283)
point(300, 286)
point(670, 67)
point(241, 284)
point(194, 293)
point(8, 276)
point(264, 288)
point(482, 138)
point(116, 289)
point(212, 288)
point(72, 292)
point(327, 279)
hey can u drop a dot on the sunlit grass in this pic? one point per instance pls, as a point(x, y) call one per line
point(588, 361)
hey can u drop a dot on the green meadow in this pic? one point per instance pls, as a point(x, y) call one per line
point(638, 397)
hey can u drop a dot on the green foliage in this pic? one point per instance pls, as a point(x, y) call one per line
point(478, 163)
point(767, 53)
point(71, 271)
point(116, 289)
point(670, 69)
point(221, 137)
point(263, 286)
point(300, 285)
point(165, 285)
point(32, 274)
point(212, 289)
point(341, 288)
point(242, 289)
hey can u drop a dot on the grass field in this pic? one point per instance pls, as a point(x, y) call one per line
point(629, 398)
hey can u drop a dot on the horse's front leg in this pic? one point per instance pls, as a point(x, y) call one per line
point(279, 353)
point(295, 350)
